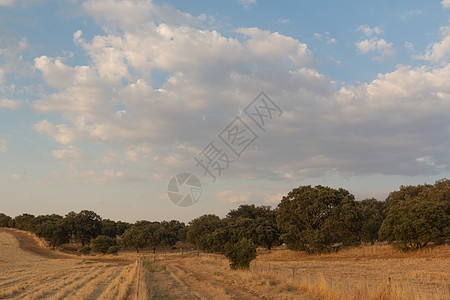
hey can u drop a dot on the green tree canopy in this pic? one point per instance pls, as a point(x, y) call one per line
point(314, 219)
point(4, 220)
point(418, 215)
point(200, 230)
point(372, 213)
point(103, 243)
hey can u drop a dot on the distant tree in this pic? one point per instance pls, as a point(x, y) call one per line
point(316, 219)
point(182, 234)
point(251, 212)
point(24, 222)
point(403, 195)
point(416, 219)
point(262, 227)
point(69, 224)
point(109, 228)
point(372, 213)
point(113, 250)
point(240, 254)
point(200, 230)
point(4, 220)
point(121, 227)
point(51, 228)
point(87, 225)
point(134, 237)
point(103, 243)
point(155, 234)
point(170, 232)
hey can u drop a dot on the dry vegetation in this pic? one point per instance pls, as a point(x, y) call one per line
point(25, 275)
point(358, 273)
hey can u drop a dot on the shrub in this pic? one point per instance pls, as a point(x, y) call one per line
point(85, 250)
point(102, 243)
point(113, 250)
point(240, 254)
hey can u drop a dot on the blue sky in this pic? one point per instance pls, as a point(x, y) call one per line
point(103, 102)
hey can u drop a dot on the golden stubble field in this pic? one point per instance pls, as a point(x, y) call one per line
point(25, 275)
point(367, 272)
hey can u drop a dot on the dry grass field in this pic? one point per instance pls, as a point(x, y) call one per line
point(367, 272)
point(44, 274)
point(30, 271)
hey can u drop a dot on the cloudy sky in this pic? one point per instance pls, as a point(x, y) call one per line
point(103, 102)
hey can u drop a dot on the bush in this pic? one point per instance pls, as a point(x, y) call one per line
point(240, 254)
point(102, 243)
point(85, 250)
point(113, 250)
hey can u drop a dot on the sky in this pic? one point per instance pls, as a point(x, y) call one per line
point(103, 102)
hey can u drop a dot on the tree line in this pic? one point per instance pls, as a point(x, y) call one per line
point(313, 219)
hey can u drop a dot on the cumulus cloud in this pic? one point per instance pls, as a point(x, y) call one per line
point(69, 153)
point(61, 132)
point(376, 44)
point(12, 55)
point(10, 104)
point(438, 52)
point(376, 127)
point(368, 31)
point(445, 3)
point(329, 40)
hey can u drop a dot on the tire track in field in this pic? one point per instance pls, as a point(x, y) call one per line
point(198, 278)
point(103, 285)
point(166, 285)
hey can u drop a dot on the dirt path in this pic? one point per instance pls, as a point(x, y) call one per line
point(174, 279)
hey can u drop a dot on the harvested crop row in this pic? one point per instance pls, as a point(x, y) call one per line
point(79, 282)
point(56, 282)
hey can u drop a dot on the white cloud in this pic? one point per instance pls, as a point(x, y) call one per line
point(376, 127)
point(230, 196)
point(368, 31)
point(411, 13)
point(69, 153)
point(284, 21)
point(376, 44)
point(274, 199)
point(409, 46)
point(61, 133)
point(247, 3)
point(56, 73)
point(13, 58)
point(438, 52)
point(445, 3)
point(325, 37)
point(138, 153)
point(269, 47)
point(10, 104)
point(3, 145)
